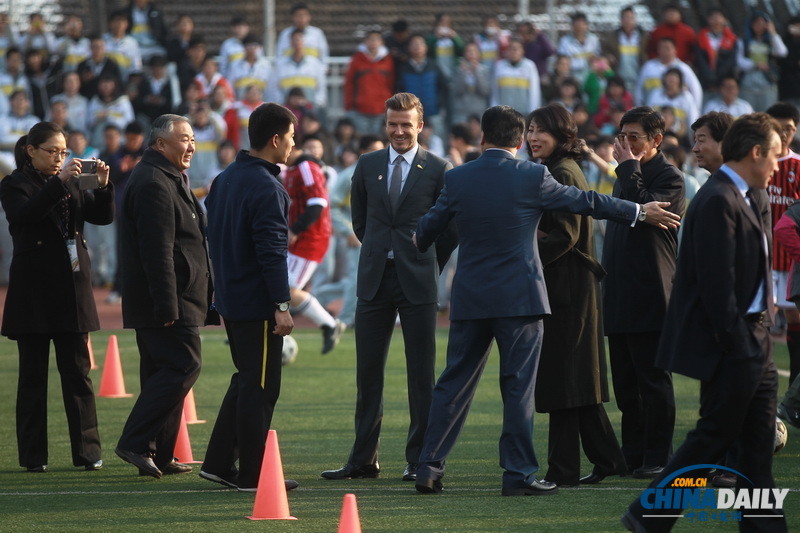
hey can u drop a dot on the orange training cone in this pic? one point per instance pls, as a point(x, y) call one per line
point(190, 410)
point(112, 385)
point(349, 521)
point(92, 363)
point(271, 501)
point(183, 448)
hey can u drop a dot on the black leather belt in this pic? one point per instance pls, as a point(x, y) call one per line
point(756, 318)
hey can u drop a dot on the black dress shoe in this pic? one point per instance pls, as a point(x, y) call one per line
point(171, 468)
point(230, 479)
point(429, 486)
point(632, 523)
point(534, 488)
point(724, 480)
point(410, 473)
point(290, 484)
point(789, 415)
point(647, 472)
point(591, 479)
point(38, 469)
point(349, 471)
point(140, 460)
point(97, 465)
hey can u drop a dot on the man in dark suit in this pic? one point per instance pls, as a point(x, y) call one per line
point(499, 291)
point(717, 319)
point(391, 190)
point(166, 292)
point(640, 262)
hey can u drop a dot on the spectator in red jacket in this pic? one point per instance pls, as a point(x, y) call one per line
point(715, 58)
point(672, 26)
point(369, 82)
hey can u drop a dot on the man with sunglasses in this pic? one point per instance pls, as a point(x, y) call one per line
point(640, 262)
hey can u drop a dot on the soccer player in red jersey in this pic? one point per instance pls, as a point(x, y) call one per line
point(784, 189)
point(309, 237)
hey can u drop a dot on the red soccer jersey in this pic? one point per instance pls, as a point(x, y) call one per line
point(784, 189)
point(306, 185)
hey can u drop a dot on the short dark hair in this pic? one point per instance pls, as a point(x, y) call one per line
point(366, 141)
point(747, 131)
point(648, 118)
point(503, 126)
point(405, 102)
point(678, 153)
point(134, 128)
point(578, 15)
point(784, 110)
point(717, 122)
point(40, 133)
point(400, 25)
point(461, 131)
point(295, 8)
point(558, 122)
point(267, 121)
point(673, 70)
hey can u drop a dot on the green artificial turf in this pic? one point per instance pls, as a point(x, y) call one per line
point(314, 421)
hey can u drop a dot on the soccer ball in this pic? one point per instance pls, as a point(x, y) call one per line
point(780, 435)
point(290, 352)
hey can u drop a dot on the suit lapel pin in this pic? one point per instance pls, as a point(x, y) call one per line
point(380, 177)
point(419, 166)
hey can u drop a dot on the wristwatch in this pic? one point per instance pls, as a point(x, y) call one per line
point(282, 306)
point(642, 213)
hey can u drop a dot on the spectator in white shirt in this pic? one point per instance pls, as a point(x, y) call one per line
point(316, 44)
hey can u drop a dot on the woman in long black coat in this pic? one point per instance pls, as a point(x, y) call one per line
point(50, 291)
point(571, 383)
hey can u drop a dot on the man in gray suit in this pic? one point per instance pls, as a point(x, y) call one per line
point(391, 190)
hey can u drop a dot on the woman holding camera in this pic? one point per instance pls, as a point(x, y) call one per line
point(50, 290)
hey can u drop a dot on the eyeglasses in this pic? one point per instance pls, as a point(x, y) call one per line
point(55, 152)
point(632, 137)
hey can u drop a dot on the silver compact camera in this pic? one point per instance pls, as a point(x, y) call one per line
point(88, 178)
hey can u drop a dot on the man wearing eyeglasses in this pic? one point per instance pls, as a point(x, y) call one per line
point(640, 262)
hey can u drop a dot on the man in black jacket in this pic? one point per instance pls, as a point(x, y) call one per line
point(166, 292)
point(717, 321)
point(640, 262)
point(248, 210)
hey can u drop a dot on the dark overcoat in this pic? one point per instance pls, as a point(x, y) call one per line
point(640, 260)
point(45, 295)
point(572, 367)
point(166, 272)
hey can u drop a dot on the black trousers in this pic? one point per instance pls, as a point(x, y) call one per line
point(72, 358)
point(244, 418)
point(169, 365)
point(375, 322)
point(737, 409)
point(586, 426)
point(644, 396)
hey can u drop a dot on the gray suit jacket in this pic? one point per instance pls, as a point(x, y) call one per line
point(379, 230)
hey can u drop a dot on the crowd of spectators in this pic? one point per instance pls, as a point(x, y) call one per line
point(107, 89)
